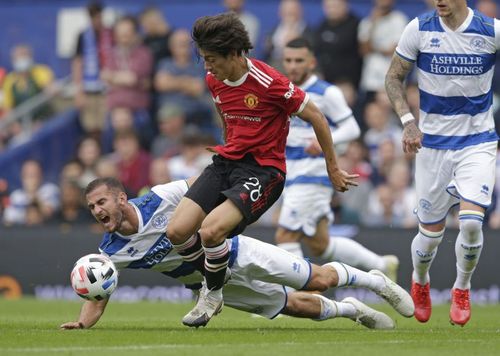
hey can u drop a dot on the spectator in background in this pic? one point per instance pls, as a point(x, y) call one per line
point(193, 157)
point(156, 33)
point(132, 161)
point(249, 20)
point(128, 73)
point(34, 197)
point(158, 174)
point(378, 36)
point(26, 81)
point(336, 44)
point(88, 153)
point(107, 167)
point(291, 25)
point(72, 170)
point(171, 123)
point(386, 156)
point(73, 210)
point(93, 49)
point(377, 118)
point(180, 81)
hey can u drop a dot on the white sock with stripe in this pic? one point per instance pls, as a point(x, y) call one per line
point(423, 250)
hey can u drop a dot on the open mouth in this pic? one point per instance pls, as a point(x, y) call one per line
point(105, 219)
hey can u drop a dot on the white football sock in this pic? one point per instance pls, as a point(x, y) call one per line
point(350, 276)
point(292, 247)
point(423, 250)
point(342, 249)
point(468, 246)
point(331, 309)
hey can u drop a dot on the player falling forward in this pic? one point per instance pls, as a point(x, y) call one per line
point(454, 48)
point(247, 175)
point(136, 238)
point(306, 212)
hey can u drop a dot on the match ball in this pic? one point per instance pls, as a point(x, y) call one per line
point(94, 277)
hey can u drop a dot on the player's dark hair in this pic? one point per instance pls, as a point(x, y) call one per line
point(112, 184)
point(300, 42)
point(94, 8)
point(222, 34)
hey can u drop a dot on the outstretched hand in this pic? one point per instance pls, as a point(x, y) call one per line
point(71, 325)
point(341, 180)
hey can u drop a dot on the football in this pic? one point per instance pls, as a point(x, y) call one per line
point(94, 277)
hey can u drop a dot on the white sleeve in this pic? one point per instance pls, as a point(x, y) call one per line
point(364, 28)
point(347, 131)
point(497, 33)
point(335, 106)
point(408, 46)
point(172, 192)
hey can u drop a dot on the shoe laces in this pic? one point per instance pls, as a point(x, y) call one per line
point(461, 298)
point(421, 293)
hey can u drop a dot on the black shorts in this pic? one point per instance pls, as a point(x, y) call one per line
point(251, 187)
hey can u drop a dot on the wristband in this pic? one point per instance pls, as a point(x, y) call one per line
point(80, 324)
point(407, 118)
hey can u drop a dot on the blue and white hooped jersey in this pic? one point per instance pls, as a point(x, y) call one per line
point(301, 167)
point(150, 248)
point(455, 71)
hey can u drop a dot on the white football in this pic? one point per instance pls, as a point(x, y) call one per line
point(94, 277)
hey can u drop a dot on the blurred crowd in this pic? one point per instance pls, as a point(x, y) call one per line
point(148, 118)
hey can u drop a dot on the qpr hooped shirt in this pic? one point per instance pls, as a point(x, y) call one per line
point(256, 110)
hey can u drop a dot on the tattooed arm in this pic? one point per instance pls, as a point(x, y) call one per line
point(394, 86)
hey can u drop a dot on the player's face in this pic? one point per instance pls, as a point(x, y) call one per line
point(298, 64)
point(107, 207)
point(447, 8)
point(221, 67)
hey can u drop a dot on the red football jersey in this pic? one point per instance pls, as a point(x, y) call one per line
point(256, 110)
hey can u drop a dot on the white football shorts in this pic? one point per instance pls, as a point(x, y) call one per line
point(304, 205)
point(444, 177)
point(259, 274)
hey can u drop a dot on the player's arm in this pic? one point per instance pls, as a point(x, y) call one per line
point(394, 86)
point(222, 122)
point(339, 178)
point(90, 314)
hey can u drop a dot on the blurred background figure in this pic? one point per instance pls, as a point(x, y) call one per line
point(171, 123)
point(131, 160)
point(93, 48)
point(35, 201)
point(378, 36)
point(156, 33)
point(128, 74)
point(26, 80)
point(72, 207)
point(180, 81)
point(158, 174)
point(290, 26)
point(336, 44)
point(88, 153)
point(249, 20)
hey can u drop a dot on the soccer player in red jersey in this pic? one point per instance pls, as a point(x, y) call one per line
point(247, 175)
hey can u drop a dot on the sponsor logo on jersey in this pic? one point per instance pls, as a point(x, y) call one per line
point(435, 42)
point(290, 92)
point(159, 221)
point(251, 101)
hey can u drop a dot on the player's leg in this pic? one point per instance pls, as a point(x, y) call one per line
point(319, 308)
point(433, 174)
point(474, 181)
point(213, 232)
point(336, 274)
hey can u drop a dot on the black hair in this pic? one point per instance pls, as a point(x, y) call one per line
point(222, 34)
point(300, 42)
point(112, 184)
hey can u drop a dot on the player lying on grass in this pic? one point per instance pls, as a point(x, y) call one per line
point(136, 238)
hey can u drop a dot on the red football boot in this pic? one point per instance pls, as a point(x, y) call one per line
point(460, 306)
point(422, 299)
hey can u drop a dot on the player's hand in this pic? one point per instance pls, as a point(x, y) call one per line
point(341, 180)
point(412, 137)
point(314, 148)
point(72, 325)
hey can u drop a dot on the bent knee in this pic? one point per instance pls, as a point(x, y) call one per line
point(213, 234)
point(177, 233)
point(471, 228)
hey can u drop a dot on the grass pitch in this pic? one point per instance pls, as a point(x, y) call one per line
point(30, 327)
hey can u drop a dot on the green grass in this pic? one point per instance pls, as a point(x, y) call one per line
point(30, 327)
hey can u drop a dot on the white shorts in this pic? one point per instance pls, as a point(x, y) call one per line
point(444, 177)
point(258, 276)
point(304, 205)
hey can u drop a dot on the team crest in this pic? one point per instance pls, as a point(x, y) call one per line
point(251, 101)
point(478, 43)
point(159, 221)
